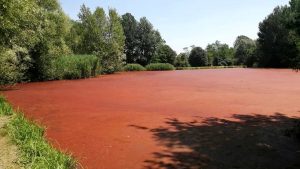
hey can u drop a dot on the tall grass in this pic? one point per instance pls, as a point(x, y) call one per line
point(5, 108)
point(76, 67)
point(36, 152)
point(133, 67)
point(159, 67)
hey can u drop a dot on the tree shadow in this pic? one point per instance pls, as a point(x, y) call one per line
point(245, 142)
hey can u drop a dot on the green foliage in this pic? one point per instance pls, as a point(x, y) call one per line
point(51, 40)
point(36, 152)
point(148, 41)
point(5, 108)
point(198, 57)
point(164, 54)
point(133, 67)
point(88, 33)
point(159, 67)
point(245, 51)
point(113, 56)
point(101, 35)
point(182, 60)
point(130, 26)
point(219, 54)
point(19, 23)
point(295, 26)
point(277, 44)
point(76, 67)
point(13, 64)
point(39, 27)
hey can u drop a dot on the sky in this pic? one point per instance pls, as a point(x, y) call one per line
point(183, 23)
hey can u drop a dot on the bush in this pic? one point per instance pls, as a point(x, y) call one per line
point(76, 67)
point(12, 65)
point(159, 66)
point(133, 67)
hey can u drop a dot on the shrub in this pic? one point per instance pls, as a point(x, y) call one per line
point(76, 67)
point(13, 64)
point(159, 66)
point(133, 67)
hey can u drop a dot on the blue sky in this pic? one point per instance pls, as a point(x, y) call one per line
point(183, 23)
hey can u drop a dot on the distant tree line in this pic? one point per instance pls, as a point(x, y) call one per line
point(34, 35)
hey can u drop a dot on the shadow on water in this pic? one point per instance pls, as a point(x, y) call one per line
point(246, 142)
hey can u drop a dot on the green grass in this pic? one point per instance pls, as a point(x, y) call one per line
point(5, 108)
point(133, 67)
point(207, 67)
point(76, 67)
point(36, 152)
point(159, 67)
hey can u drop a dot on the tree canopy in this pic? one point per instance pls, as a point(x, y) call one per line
point(219, 54)
point(277, 45)
point(198, 57)
point(245, 51)
point(164, 54)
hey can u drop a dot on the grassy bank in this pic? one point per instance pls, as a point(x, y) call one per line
point(35, 150)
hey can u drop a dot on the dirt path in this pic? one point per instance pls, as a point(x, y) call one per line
point(8, 151)
point(227, 118)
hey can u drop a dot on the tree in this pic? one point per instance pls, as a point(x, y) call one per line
point(198, 57)
point(295, 7)
point(112, 56)
point(164, 54)
point(219, 54)
point(148, 41)
point(75, 37)
point(245, 51)
point(130, 26)
point(277, 45)
point(53, 29)
point(97, 33)
point(295, 26)
point(91, 29)
point(182, 60)
point(36, 29)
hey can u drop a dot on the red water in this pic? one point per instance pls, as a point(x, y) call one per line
point(94, 118)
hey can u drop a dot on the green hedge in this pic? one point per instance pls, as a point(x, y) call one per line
point(133, 67)
point(76, 67)
point(159, 67)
